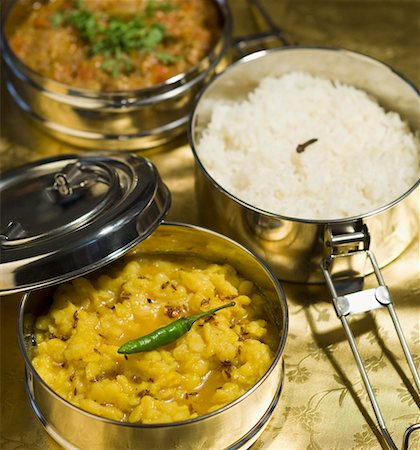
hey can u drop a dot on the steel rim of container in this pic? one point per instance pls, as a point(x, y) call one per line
point(90, 135)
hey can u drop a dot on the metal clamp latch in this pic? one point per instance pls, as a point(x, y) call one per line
point(347, 238)
point(365, 301)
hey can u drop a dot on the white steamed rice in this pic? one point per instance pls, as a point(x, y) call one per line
point(364, 158)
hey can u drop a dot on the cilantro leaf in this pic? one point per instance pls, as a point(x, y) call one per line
point(57, 19)
point(114, 37)
point(153, 36)
point(166, 58)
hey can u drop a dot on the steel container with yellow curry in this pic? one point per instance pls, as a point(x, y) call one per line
point(136, 333)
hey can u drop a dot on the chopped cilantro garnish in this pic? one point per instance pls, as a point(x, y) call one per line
point(166, 58)
point(152, 6)
point(153, 36)
point(114, 37)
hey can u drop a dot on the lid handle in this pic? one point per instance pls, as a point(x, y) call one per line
point(74, 177)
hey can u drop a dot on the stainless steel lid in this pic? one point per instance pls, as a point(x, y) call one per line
point(66, 216)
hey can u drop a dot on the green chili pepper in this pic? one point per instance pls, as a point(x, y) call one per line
point(167, 334)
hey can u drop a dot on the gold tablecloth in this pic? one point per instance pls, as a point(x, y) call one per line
point(323, 403)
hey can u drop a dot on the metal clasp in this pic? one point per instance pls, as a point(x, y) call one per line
point(78, 177)
point(73, 178)
point(365, 301)
point(346, 238)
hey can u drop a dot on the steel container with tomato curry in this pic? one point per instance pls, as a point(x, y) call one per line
point(109, 74)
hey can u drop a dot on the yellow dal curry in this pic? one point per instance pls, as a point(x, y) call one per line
point(218, 360)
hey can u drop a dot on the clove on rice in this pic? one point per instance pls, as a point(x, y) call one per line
point(301, 147)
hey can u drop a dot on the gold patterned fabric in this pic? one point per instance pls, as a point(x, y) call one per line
point(324, 405)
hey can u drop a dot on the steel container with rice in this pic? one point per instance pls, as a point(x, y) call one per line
point(281, 104)
point(294, 244)
point(214, 386)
